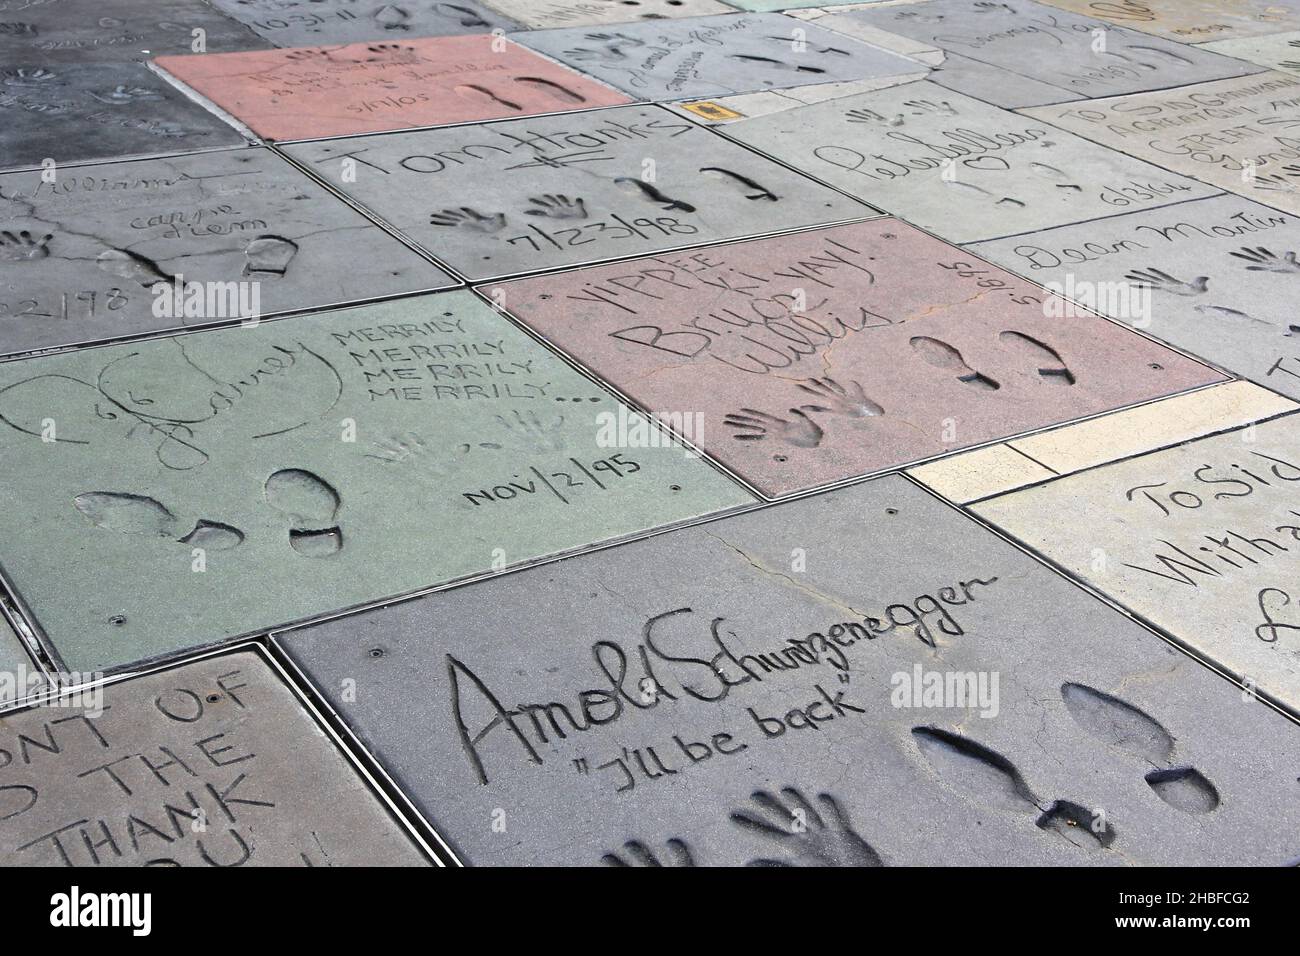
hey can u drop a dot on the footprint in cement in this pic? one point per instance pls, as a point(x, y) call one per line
point(312, 504)
point(942, 355)
point(1119, 724)
point(1048, 361)
point(142, 515)
point(134, 268)
point(990, 779)
point(269, 256)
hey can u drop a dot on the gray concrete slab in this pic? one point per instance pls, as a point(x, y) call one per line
point(43, 32)
point(213, 763)
point(1215, 277)
point(956, 166)
point(290, 23)
point(75, 112)
point(186, 490)
point(86, 248)
point(504, 198)
point(747, 691)
point(698, 57)
point(1201, 540)
point(1080, 55)
point(544, 14)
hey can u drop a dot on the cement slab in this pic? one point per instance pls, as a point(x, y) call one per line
point(1192, 21)
point(181, 491)
point(70, 113)
point(995, 469)
point(1237, 134)
point(545, 14)
point(1215, 277)
point(1277, 51)
point(213, 763)
point(44, 32)
point(698, 57)
point(293, 23)
point(313, 92)
point(86, 249)
point(803, 360)
point(1082, 56)
point(747, 691)
point(956, 166)
point(1200, 540)
point(506, 198)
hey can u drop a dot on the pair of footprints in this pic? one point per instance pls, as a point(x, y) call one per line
point(851, 402)
point(808, 836)
point(265, 256)
point(481, 93)
point(310, 502)
point(991, 779)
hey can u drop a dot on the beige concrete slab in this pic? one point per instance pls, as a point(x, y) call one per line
point(1277, 51)
point(1157, 425)
point(1191, 21)
point(1239, 134)
point(1000, 468)
point(1202, 540)
point(980, 473)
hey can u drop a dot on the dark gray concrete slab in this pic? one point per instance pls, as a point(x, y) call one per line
point(84, 249)
point(182, 491)
point(289, 23)
point(504, 198)
point(214, 763)
point(957, 166)
point(1082, 56)
point(69, 113)
point(1215, 277)
point(745, 691)
point(94, 31)
point(714, 56)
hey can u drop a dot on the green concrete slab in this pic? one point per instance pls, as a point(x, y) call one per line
point(191, 489)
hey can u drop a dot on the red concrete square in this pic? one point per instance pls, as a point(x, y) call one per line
point(313, 92)
point(802, 360)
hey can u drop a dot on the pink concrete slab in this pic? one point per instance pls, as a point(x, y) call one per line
point(313, 92)
point(803, 360)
